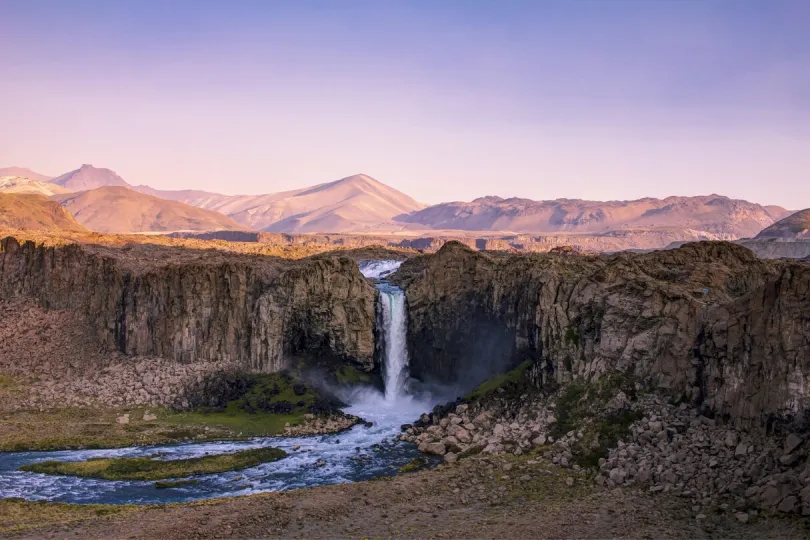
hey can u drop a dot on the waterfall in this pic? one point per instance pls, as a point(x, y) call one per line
point(395, 328)
point(394, 321)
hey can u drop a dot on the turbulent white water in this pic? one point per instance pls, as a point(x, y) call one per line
point(360, 453)
point(395, 368)
point(378, 269)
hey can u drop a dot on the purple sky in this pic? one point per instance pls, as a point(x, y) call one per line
point(444, 100)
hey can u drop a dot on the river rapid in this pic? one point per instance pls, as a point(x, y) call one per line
point(360, 453)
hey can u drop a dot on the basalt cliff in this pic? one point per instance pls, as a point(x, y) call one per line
point(198, 306)
point(708, 322)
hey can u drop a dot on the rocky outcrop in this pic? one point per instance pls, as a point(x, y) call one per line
point(709, 322)
point(201, 305)
point(320, 311)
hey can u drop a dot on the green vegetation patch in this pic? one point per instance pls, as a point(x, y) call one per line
point(350, 375)
point(413, 465)
point(511, 381)
point(270, 403)
point(602, 435)
point(82, 428)
point(581, 405)
point(154, 469)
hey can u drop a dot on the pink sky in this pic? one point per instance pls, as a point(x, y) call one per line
point(445, 101)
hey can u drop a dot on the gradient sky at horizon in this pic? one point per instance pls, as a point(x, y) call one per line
point(445, 100)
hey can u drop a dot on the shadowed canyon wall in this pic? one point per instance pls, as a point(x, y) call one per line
point(742, 348)
point(202, 305)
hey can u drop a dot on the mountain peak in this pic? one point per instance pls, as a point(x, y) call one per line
point(89, 177)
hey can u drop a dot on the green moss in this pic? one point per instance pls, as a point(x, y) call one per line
point(413, 465)
point(581, 400)
point(568, 362)
point(155, 469)
point(602, 435)
point(7, 381)
point(471, 451)
point(511, 379)
point(350, 375)
point(272, 402)
point(572, 335)
point(569, 408)
point(546, 482)
point(175, 484)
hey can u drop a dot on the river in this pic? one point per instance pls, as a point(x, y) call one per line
point(359, 453)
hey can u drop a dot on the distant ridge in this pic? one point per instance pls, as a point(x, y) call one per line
point(713, 214)
point(116, 209)
point(795, 226)
point(35, 212)
point(19, 184)
point(24, 173)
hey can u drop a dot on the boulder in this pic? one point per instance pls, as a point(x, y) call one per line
point(434, 448)
point(792, 442)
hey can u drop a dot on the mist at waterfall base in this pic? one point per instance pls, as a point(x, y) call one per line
point(360, 453)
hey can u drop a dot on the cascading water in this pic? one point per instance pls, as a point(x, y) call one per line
point(360, 453)
point(394, 321)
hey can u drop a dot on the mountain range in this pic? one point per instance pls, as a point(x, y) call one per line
point(345, 205)
point(103, 201)
point(712, 213)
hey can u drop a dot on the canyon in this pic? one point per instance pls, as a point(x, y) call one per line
point(160, 322)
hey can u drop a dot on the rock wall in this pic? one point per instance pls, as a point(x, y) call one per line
point(321, 311)
point(742, 348)
point(201, 306)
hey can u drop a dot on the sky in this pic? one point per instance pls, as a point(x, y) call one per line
point(444, 100)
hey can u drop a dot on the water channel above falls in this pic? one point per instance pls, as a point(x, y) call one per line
point(360, 453)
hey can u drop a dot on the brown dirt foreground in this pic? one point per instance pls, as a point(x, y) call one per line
point(510, 498)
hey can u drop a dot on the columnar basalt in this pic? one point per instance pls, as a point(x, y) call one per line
point(201, 305)
point(709, 322)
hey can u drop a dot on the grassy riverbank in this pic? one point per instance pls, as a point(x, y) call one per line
point(479, 497)
point(156, 469)
point(270, 405)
